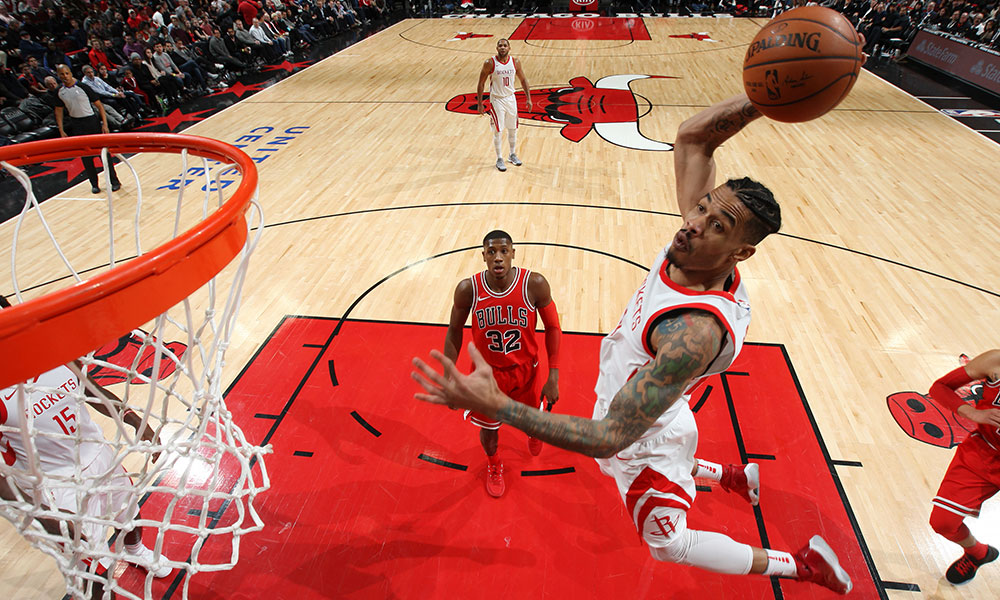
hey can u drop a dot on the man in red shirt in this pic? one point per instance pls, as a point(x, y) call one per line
point(248, 9)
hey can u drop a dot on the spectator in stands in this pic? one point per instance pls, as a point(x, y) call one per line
point(162, 61)
point(115, 56)
point(989, 32)
point(97, 55)
point(961, 26)
point(189, 62)
point(39, 71)
point(134, 102)
point(133, 45)
point(77, 36)
point(254, 47)
point(269, 46)
point(54, 56)
point(248, 10)
point(29, 47)
point(279, 37)
point(892, 25)
point(135, 19)
point(220, 53)
point(30, 82)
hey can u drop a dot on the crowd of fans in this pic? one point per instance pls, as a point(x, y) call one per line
point(883, 22)
point(140, 59)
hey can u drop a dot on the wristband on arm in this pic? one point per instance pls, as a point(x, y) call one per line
point(943, 390)
point(553, 334)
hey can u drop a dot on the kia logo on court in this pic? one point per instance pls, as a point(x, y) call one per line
point(584, 2)
point(582, 24)
point(608, 107)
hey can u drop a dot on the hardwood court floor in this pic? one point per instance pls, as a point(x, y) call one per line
point(884, 272)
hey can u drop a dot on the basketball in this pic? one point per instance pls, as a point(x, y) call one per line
point(802, 64)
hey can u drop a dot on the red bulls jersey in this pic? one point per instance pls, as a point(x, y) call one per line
point(990, 399)
point(627, 348)
point(503, 324)
point(502, 78)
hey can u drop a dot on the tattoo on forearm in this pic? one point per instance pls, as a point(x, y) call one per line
point(687, 344)
point(732, 120)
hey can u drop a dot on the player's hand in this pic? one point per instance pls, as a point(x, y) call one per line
point(550, 391)
point(104, 128)
point(989, 416)
point(476, 391)
point(528, 101)
point(481, 107)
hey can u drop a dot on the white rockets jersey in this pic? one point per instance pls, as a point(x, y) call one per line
point(502, 78)
point(626, 349)
point(51, 405)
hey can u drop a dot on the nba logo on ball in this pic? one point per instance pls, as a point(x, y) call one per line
point(802, 64)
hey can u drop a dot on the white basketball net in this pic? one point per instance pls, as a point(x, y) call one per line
point(195, 477)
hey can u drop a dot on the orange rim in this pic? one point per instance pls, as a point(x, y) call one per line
point(68, 323)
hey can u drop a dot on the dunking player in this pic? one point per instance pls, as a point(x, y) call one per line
point(505, 302)
point(686, 321)
point(68, 427)
point(501, 69)
point(974, 473)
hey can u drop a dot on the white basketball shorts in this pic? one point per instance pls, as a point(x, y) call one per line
point(654, 478)
point(503, 113)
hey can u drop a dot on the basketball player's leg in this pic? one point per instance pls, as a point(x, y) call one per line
point(665, 532)
point(740, 479)
point(971, 479)
point(510, 122)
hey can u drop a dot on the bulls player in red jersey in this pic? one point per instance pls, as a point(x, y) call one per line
point(686, 322)
point(502, 69)
point(505, 302)
point(974, 473)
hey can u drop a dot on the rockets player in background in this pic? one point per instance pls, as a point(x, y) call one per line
point(505, 302)
point(974, 473)
point(501, 69)
point(686, 321)
point(61, 418)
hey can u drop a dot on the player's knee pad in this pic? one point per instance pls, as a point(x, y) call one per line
point(946, 523)
point(675, 551)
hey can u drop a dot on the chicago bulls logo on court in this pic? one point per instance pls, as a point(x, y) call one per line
point(129, 352)
point(608, 107)
point(924, 420)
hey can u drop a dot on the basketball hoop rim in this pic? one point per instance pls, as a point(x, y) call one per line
point(63, 325)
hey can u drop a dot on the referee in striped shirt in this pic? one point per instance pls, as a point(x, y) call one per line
point(79, 102)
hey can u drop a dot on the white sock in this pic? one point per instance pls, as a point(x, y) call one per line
point(498, 143)
point(779, 563)
point(512, 138)
point(708, 470)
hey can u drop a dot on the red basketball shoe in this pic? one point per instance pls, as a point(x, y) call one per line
point(742, 479)
point(817, 563)
point(494, 480)
point(534, 446)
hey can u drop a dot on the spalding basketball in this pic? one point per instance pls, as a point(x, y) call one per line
point(802, 64)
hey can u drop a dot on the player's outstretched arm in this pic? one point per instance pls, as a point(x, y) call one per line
point(696, 142)
point(686, 344)
point(460, 309)
point(127, 415)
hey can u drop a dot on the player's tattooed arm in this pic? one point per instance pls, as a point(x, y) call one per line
point(696, 141)
point(686, 345)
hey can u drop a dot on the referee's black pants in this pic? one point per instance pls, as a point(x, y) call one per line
point(87, 126)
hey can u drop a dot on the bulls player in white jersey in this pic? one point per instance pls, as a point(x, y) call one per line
point(502, 69)
point(686, 322)
point(974, 473)
point(504, 302)
point(68, 437)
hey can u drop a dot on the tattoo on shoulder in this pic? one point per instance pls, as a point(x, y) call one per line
point(686, 346)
